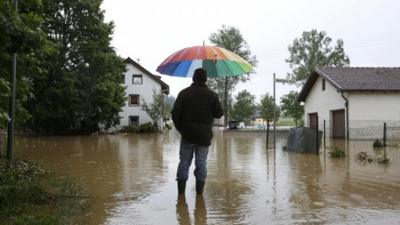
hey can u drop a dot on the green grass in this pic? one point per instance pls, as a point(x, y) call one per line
point(286, 122)
point(337, 152)
point(30, 196)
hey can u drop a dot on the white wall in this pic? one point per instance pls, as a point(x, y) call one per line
point(376, 106)
point(145, 90)
point(323, 102)
point(368, 112)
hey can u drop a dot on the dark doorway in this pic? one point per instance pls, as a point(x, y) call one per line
point(313, 118)
point(338, 124)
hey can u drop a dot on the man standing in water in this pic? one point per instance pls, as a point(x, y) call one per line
point(193, 114)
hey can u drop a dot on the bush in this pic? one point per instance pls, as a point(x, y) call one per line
point(148, 128)
point(337, 153)
point(383, 160)
point(28, 196)
point(129, 129)
point(363, 156)
point(377, 144)
point(168, 126)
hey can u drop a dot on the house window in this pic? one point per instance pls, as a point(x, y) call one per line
point(134, 100)
point(323, 84)
point(133, 120)
point(137, 79)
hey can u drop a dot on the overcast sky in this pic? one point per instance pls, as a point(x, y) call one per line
point(151, 30)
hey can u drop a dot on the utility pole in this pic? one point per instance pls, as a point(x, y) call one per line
point(226, 102)
point(11, 110)
point(284, 81)
point(274, 115)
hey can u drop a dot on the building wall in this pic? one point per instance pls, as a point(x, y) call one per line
point(323, 102)
point(374, 106)
point(145, 90)
point(367, 111)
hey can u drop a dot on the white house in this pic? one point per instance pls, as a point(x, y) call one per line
point(352, 102)
point(140, 84)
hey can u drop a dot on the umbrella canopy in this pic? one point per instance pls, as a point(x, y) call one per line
point(218, 62)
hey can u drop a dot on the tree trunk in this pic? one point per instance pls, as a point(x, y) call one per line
point(1, 142)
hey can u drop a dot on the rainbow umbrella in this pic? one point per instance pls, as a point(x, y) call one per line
point(217, 61)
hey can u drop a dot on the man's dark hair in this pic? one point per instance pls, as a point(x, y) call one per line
point(200, 76)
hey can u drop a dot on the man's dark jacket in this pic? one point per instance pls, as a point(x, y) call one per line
point(194, 111)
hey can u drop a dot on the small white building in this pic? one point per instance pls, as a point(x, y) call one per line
point(140, 84)
point(352, 102)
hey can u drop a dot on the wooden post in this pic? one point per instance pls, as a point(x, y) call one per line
point(324, 135)
point(384, 134)
point(316, 137)
point(384, 140)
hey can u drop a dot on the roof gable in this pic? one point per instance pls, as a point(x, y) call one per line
point(355, 79)
point(164, 86)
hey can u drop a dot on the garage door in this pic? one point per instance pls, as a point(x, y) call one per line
point(338, 124)
point(313, 118)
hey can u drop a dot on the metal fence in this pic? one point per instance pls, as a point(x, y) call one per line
point(391, 135)
point(366, 130)
point(362, 135)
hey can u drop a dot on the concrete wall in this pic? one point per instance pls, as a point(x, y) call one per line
point(376, 106)
point(368, 112)
point(323, 102)
point(145, 90)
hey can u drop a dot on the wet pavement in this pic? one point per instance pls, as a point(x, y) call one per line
point(131, 179)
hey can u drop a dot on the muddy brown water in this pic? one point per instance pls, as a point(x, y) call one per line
point(131, 179)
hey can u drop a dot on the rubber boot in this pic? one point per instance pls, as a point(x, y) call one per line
point(181, 186)
point(199, 187)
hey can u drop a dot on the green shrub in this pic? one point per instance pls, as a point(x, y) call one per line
point(337, 153)
point(363, 156)
point(29, 196)
point(383, 160)
point(129, 129)
point(167, 126)
point(148, 128)
point(377, 144)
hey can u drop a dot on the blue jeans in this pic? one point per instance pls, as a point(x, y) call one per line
point(186, 155)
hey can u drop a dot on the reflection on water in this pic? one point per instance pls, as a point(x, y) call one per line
point(183, 215)
point(131, 179)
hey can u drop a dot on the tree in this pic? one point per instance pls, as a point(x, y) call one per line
point(231, 39)
point(168, 105)
point(154, 108)
point(244, 107)
point(21, 33)
point(292, 107)
point(267, 109)
point(81, 90)
point(312, 50)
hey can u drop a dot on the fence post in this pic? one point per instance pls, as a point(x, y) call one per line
point(384, 134)
point(384, 140)
point(266, 146)
point(324, 135)
point(316, 137)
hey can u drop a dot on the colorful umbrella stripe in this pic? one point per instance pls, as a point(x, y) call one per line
point(218, 62)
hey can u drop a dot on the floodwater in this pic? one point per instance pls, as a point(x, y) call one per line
point(131, 179)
